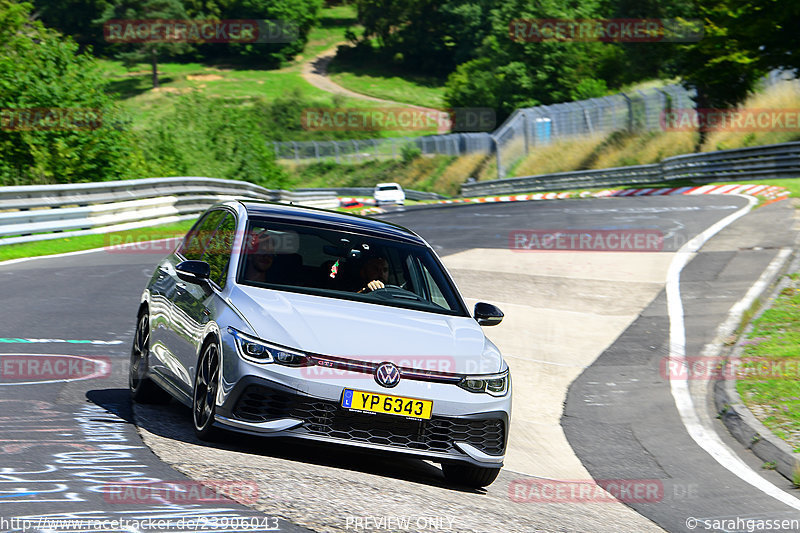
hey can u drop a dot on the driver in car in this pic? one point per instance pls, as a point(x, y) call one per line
point(374, 274)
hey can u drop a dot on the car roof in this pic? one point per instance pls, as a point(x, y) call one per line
point(310, 216)
point(388, 183)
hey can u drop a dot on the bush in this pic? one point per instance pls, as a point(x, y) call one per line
point(410, 152)
point(482, 83)
point(284, 118)
point(205, 137)
point(589, 88)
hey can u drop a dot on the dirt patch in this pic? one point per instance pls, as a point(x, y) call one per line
point(204, 77)
point(173, 90)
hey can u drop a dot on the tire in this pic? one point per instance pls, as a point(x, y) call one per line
point(142, 388)
point(204, 396)
point(468, 475)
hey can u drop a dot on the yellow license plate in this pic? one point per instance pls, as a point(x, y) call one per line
point(386, 404)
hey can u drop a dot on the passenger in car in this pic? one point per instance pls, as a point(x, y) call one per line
point(260, 257)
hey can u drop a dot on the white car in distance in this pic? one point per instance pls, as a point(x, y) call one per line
point(389, 193)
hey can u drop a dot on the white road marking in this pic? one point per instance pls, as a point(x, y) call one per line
point(705, 436)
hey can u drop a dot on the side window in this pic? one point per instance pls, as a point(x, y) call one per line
point(218, 251)
point(195, 242)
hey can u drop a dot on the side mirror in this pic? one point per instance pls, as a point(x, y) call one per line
point(195, 272)
point(488, 314)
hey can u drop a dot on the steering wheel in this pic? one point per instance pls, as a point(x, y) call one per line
point(386, 286)
point(396, 291)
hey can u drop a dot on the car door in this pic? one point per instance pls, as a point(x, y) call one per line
point(167, 325)
point(196, 304)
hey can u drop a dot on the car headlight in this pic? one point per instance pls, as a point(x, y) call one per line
point(258, 351)
point(493, 384)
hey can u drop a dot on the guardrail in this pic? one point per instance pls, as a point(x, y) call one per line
point(368, 191)
point(642, 174)
point(771, 161)
point(42, 212)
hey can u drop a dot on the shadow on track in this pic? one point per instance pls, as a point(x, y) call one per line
point(173, 421)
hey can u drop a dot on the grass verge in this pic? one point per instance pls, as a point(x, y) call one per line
point(89, 242)
point(438, 173)
point(381, 81)
point(772, 392)
point(234, 84)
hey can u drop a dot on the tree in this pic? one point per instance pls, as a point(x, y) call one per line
point(430, 36)
point(205, 9)
point(57, 124)
point(631, 62)
point(380, 18)
point(515, 72)
point(301, 14)
point(742, 42)
point(71, 17)
point(149, 10)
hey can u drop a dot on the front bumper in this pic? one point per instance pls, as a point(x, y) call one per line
point(261, 407)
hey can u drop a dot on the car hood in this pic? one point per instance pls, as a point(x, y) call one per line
point(368, 332)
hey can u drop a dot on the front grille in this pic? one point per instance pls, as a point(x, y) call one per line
point(260, 404)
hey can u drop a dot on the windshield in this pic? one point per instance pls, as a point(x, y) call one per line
point(346, 265)
point(388, 188)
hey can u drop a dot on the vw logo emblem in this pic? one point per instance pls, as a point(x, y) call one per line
point(387, 375)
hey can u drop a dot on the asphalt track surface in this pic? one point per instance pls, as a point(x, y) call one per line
point(621, 419)
point(63, 443)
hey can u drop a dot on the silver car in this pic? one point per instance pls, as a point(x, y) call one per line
point(276, 320)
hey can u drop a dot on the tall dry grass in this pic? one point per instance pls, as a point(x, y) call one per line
point(488, 170)
point(783, 96)
point(464, 167)
point(645, 149)
point(559, 156)
point(617, 149)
